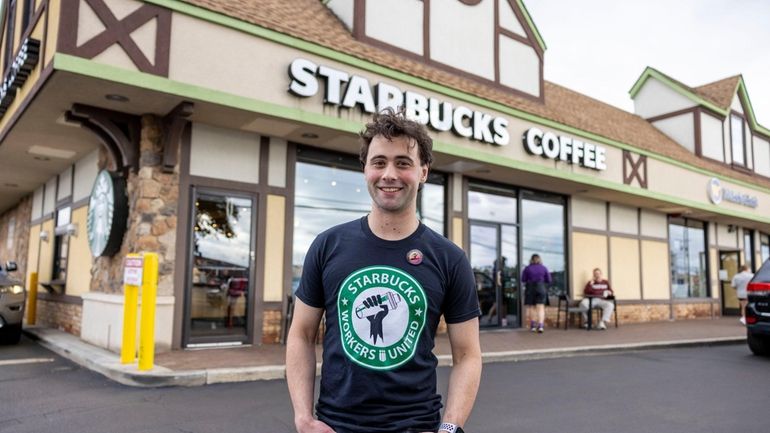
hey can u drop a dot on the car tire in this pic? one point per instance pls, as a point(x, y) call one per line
point(759, 344)
point(10, 334)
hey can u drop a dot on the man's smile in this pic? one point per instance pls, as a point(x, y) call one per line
point(390, 188)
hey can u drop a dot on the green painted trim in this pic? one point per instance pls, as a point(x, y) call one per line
point(65, 62)
point(322, 51)
point(464, 152)
point(532, 25)
point(743, 91)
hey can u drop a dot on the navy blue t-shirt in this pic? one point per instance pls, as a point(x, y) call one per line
point(383, 300)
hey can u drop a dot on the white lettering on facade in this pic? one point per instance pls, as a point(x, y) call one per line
point(350, 91)
point(549, 145)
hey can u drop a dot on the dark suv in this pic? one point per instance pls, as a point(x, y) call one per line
point(758, 311)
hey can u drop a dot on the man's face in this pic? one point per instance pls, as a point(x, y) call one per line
point(393, 173)
point(597, 275)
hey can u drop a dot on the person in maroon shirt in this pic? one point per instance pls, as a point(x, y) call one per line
point(600, 290)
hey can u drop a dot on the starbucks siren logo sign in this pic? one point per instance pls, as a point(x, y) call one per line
point(381, 314)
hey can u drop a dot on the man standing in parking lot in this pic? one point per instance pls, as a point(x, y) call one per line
point(739, 283)
point(383, 282)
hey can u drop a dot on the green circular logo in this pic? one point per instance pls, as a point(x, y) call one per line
point(381, 313)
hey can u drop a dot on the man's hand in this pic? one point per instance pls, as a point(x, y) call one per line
point(312, 425)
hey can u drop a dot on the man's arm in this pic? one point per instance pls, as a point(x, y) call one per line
point(300, 367)
point(466, 370)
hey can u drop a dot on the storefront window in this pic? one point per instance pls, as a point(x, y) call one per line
point(544, 232)
point(330, 189)
point(61, 245)
point(431, 203)
point(748, 249)
point(764, 247)
point(738, 143)
point(687, 247)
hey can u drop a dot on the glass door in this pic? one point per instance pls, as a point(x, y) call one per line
point(485, 239)
point(494, 253)
point(728, 267)
point(220, 282)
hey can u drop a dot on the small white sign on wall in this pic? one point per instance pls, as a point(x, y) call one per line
point(132, 271)
point(723, 274)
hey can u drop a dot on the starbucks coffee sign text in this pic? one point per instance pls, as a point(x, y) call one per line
point(567, 149)
point(345, 90)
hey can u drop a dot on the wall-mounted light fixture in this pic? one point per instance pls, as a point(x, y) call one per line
point(730, 228)
point(44, 235)
point(70, 229)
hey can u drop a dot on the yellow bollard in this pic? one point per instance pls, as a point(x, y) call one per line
point(32, 300)
point(128, 348)
point(147, 326)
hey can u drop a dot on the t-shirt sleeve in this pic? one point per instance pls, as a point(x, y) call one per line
point(461, 302)
point(310, 289)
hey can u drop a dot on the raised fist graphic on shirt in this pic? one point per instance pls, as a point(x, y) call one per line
point(375, 315)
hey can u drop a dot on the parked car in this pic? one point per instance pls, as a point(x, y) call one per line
point(758, 311)
point(12, 298)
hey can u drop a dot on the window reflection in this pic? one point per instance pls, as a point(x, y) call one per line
point(764, 247)
point(430, 204)
point(491, 207)
point(748, 249)
point(543, 233)
point(687, 248)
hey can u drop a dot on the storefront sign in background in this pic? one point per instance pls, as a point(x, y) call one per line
point(342, 89)
point(717, 193)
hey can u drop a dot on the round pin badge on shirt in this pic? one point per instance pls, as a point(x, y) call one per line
point(414, 257)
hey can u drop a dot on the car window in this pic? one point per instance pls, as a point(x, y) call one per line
point(763, 274)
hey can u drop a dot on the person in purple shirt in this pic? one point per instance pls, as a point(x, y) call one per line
point(535, 277)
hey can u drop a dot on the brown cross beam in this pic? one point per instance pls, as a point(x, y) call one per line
point(118, 31)
point(634, 169)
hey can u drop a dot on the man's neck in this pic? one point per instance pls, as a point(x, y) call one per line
point(393, 227)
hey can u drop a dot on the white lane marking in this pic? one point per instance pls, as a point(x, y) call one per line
point(25, 361)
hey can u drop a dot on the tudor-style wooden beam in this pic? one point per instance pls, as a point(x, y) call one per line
point(119, 132)
point(173, 125)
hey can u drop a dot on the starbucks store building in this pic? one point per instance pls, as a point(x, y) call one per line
point(223, 136)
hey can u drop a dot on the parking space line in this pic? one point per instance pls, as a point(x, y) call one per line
point(25, 361)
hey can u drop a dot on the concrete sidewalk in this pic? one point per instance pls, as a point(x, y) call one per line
point(208, 366)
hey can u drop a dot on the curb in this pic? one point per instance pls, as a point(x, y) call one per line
point(108, 363)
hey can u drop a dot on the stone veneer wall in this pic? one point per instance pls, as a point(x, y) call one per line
point(59, 315)
point(153, 198)
point(696, 310)
point(271, 326)
point(19, 246)
point(641, 313)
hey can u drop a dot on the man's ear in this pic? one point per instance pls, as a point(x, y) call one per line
point(425, 171)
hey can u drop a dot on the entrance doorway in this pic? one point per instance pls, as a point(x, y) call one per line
point(494, 254)
point(220, 285)
point(728, 267)
point(494, 258)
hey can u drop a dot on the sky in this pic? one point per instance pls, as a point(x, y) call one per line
point(600, 47)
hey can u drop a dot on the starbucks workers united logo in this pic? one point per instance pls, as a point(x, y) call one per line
point(381, 314)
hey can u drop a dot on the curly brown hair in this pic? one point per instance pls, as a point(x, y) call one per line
point(389, 123)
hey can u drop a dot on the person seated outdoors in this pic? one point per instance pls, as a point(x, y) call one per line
point(600, 290)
